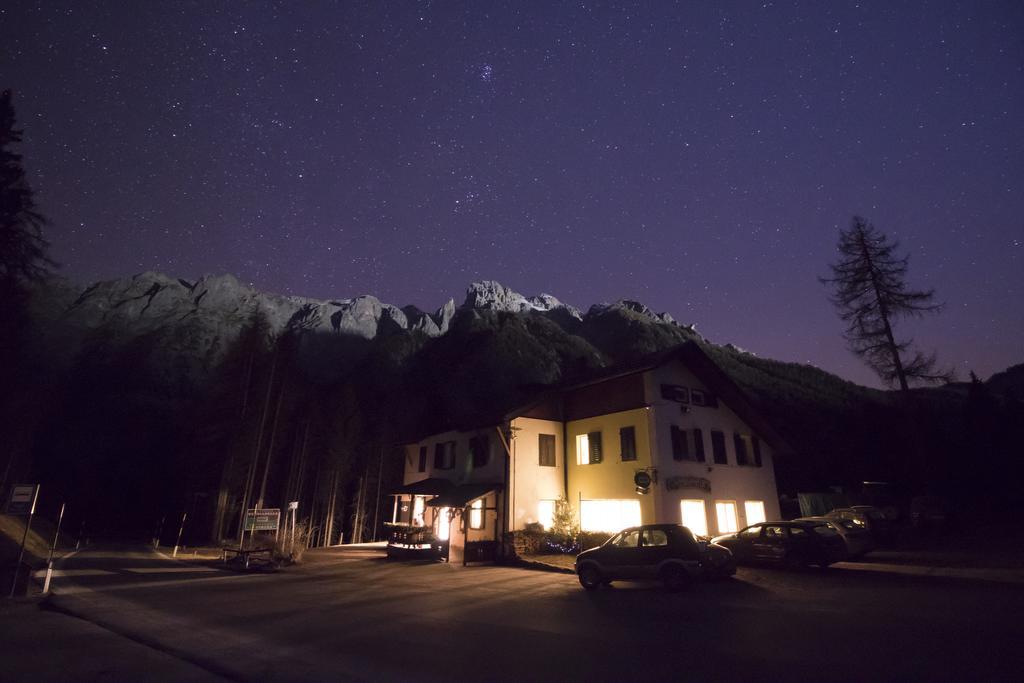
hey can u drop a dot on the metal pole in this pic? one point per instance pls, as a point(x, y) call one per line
point(53, 546)
point(181, 530)
point(24, 537)
point(376, 506)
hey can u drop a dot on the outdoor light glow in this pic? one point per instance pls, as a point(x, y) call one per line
point(582, 450)
point(755, 511)
point(443, 524)
point(695, 517)
point(609, 515)
point(546, 513)
point(726, 512)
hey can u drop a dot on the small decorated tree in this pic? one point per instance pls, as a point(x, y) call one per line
point(564, 527)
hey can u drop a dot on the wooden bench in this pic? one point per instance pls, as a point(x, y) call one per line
point(246, 555)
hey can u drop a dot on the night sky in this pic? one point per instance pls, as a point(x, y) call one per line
point(699, 157)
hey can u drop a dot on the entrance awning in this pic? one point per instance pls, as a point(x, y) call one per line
point(460, 496)
point(427, 487)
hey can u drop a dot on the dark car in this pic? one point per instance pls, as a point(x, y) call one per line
point(666, 552)
point(793, 544)
point(875, 520)
point(859, 541)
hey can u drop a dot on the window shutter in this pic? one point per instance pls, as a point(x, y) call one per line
point(741, 449)
point(679, 445)
point(718, 447)
point(546, 450)
point(594, 438)
point(627, 441)
point(757, 450)
point(439, 456)
point(698, 445)
point(423, 459)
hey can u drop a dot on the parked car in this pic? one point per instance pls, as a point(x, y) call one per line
point(857, 538)
point(928, 513)
point(793, 544)
point(667, 552)
point(870, 517)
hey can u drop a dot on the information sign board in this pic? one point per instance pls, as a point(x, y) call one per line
point(263, 519)
point(23, 500)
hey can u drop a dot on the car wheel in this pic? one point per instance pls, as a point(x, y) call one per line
point(675, 578)
point(590, 577)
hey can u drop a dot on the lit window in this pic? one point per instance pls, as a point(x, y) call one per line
point(588, 448)
point(546, 513)
point(582, 450)
point(476, 514)
point(755, 511)
point(443, 524)
point(726, 513)
point(609, 515)
point(695, 517)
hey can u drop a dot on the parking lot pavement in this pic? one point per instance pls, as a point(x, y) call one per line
point(359, 616)
point(42, 645)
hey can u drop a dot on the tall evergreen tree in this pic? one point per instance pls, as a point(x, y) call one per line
point(23, 258)
point(870, 293)
point(23, 262)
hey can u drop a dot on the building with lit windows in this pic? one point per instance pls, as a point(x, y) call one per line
point(670, 440)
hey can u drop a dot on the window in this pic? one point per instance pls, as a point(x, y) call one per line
point(797, 531)
point(627, 539)
point(774, 532)
point(703, 398)
point(654, 537)
point(695, 517)
point(754, 510)
point(718, 447)
point(739, 442)
point(444, 455)
point(609, 515)
point(546, 513)
point(680, 445)
point(546, 449)
point(479, 451)
point(674, 392)
point(588, 448)
point(725, 510)
point(476, 514)
point(752, 532)
point(422, 467)
point(627, 441)
point(698, 444)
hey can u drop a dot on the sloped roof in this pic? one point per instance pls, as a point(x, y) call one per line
point(701, 365)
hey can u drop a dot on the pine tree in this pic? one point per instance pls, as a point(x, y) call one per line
point(23, 258)
point(870, 294)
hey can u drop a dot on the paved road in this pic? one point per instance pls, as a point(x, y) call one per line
point(354, 615)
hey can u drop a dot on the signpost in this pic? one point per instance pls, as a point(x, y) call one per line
point(22, 502)
point(260, 519)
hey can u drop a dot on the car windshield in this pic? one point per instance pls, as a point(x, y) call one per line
point(627, 539)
